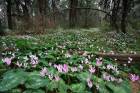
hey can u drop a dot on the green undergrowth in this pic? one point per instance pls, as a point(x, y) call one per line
point(33, 64)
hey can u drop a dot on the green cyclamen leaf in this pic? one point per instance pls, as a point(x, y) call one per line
point(78, 88)
point(34, 91)
point(119, 89)
point(34, 81)
point(83, 76)
point(12, 79)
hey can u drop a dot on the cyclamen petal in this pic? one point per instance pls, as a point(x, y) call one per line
point(98, 62)
point(62, 68)
point(43, 72)
point(130, 59)
point(81, 67)
point(59, 68)
point(50, 77)
point(89, 83)
point(106, 77)
point(55, 66)
point(92, 70)
point(34, 60)
point(19, 64)
point(7, 60)
point(134, 77)
point(65, 68)
point(109, 66)
point(74, 69)
point(57, 78)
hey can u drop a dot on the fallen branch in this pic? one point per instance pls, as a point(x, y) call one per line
point(121, 57)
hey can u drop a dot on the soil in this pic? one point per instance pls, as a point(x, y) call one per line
point(135, 87)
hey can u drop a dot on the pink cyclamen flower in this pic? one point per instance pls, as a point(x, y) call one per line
point(50, 64)
point(92, 69)
point(55, 66)
point(106, 76)
point(50, 77)
point(62, 68)
point(65, 68)
point(59, 68)
point(86, 61)
point(43, 72)
point(7, 60)
point(89, 83)
point(109, 66)
point(119, 80)
point(25, 65)
point(98, 62)
point(130, 59)
point(74, 69)
point(57, 78)
point(19, 64)
point(81, 67)
point(134, 77)
point(68, 55)
point(34, 60)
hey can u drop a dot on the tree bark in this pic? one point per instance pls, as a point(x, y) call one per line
point(124, 15)
point(25, 9)
point(114, 14)
point(42, 6)
point(42, 11)
point(73, 13)
point(54, 10)
point(9, 14)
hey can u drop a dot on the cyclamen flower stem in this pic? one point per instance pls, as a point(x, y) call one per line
point(97, 71)
point(94, 90)
point(69, 80)
point(46, 90)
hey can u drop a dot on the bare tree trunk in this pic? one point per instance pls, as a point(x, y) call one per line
point(114, 15)
point(87, 13)
point(54, 11)
point(42, 7)
point(73, 13)
point(25, 9)
point(26, 17)
point(9, 14)
point(17, 2)
point(124, 15)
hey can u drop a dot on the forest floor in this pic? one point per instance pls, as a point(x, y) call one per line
point(76, 42)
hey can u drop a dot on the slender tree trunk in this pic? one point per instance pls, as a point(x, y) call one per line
point(26, 15)
point(114, 15)
point(17, 2)
point(43, 6)
point(54, 11)
point(87, 13)
point(73, 13)
point(9, 14)
point(42, 11)
point(25, 9)
point(124, 15)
